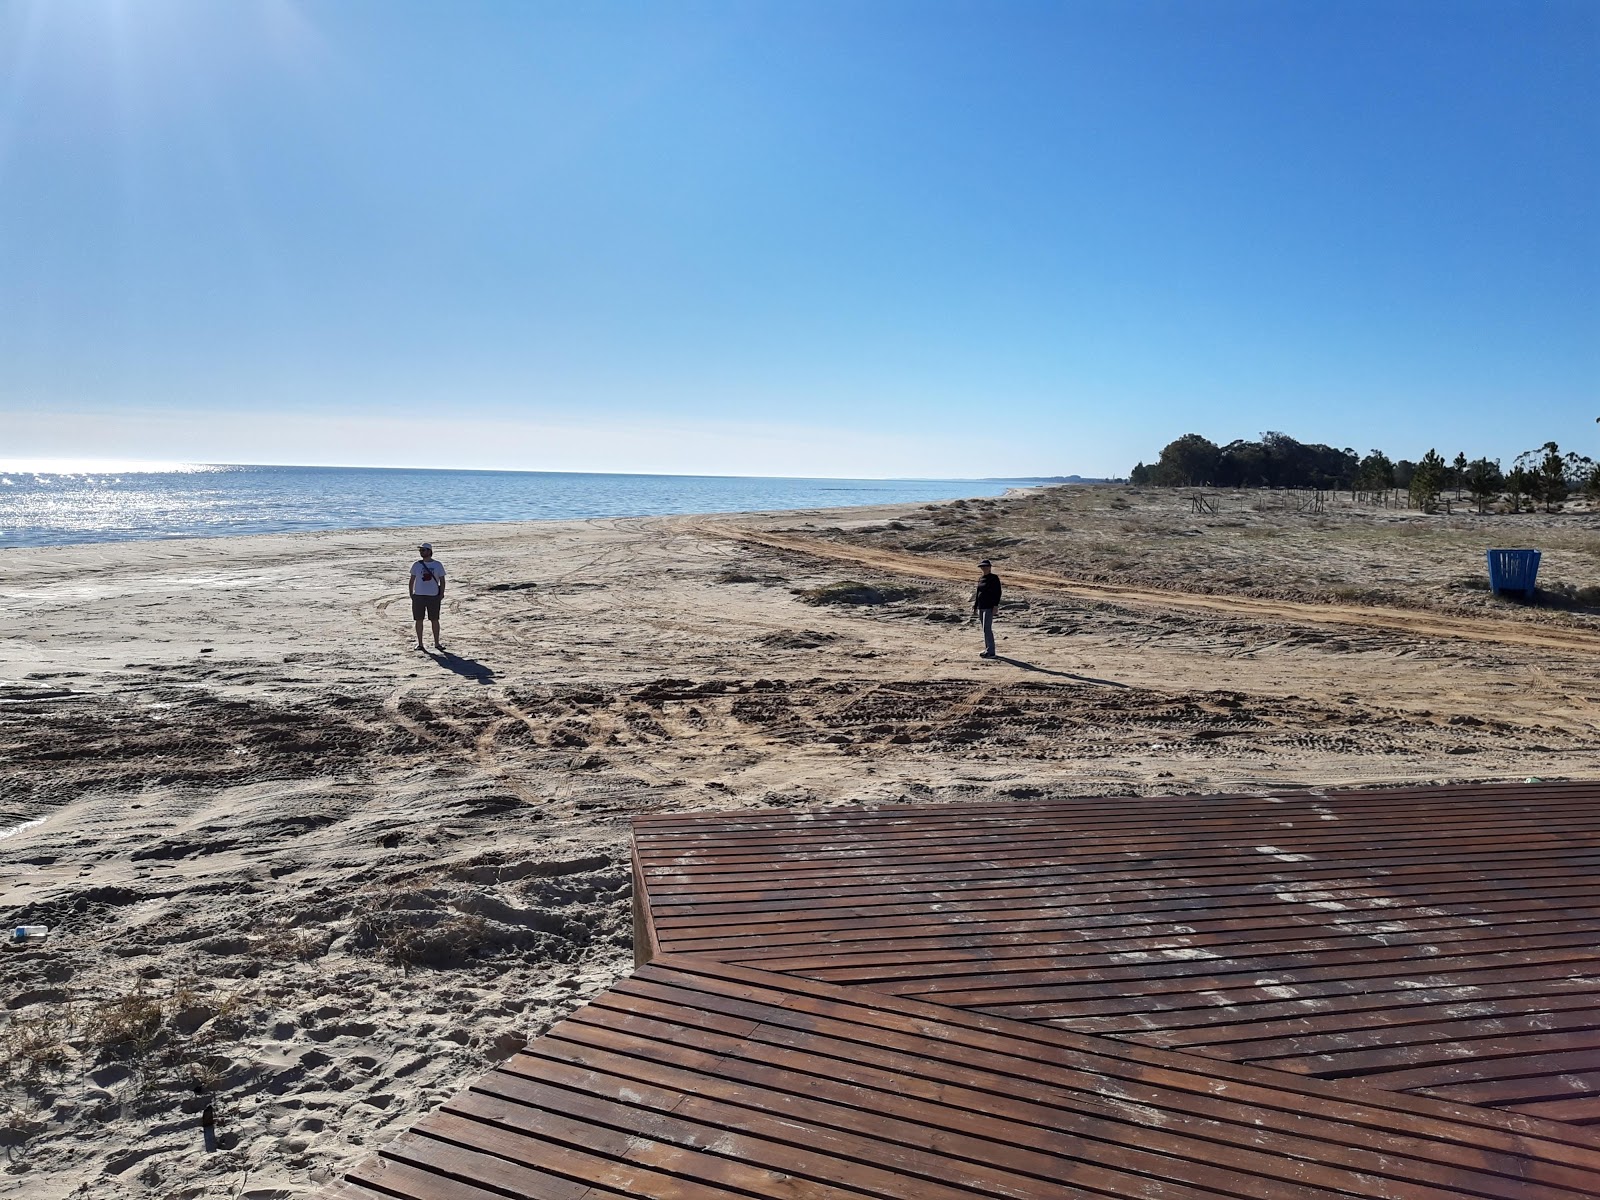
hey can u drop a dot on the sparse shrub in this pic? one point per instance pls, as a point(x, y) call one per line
point(851, 592)
point(128, 1022)
point(1346, 593)
point(409, 928)
point(33, 1046)
point(1568, 595)
point(444, 943)
point(281, 942)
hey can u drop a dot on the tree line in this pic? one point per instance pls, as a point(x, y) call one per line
point(1544, 476)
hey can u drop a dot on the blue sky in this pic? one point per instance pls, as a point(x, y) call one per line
point(862, 238)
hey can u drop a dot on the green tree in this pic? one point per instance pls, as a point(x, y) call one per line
point(1376, 473)
point(1591, 482)
point(1427, 481)
point(1546, 470)
point(1519, 483)
point(1186, 462)
point(1458, 472)
point(1140, 475)
point(1580, 474)
point(1484, 481)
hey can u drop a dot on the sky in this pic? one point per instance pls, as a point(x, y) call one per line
point(828, 237)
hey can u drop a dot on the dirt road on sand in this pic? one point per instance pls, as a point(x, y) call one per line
point(1419, 624)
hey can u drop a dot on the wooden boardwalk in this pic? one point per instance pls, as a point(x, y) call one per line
point(1442, 941)
point(1308, 995)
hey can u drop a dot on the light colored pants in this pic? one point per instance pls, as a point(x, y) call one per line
point(986, 619)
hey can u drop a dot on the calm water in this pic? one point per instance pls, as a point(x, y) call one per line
point(208, 501)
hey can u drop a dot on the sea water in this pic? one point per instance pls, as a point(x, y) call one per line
point(54, 508)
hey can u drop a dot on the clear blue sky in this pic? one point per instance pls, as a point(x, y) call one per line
point(833, 238)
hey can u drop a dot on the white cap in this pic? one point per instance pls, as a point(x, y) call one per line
point(428, 546)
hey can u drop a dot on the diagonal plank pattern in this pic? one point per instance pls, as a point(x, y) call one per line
point(694, 1078)
point(1439, 941)
point(1305, 996)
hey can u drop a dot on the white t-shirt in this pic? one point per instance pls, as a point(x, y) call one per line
point(421, 584)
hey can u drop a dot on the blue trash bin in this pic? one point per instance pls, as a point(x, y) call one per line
point(1513, 571)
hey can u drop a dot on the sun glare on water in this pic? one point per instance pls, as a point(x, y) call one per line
point(98, 466)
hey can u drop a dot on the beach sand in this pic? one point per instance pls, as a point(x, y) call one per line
point(313, 880)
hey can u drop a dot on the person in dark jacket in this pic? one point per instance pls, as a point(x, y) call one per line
point(985, 599)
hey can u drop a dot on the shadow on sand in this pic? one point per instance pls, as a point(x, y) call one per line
point(1028, 666)
point(467, 668)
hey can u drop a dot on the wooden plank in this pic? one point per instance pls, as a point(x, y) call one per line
point(678, 1123)
point(968, 870)
point(1202, 1024)
point(646, 945)
point(1336, 919)
point(696, 879)
point(1417, 1040)
point(1539, 1087)
point(957, 1159)
point(641, 1167)
point(1110, 1059)
point(828, 939)
point(698, 1079)
point(784, 837)
point(1093, 1123)
point(1581, 1110)
point(1331, 891)
point(1356, 802)
point(1289, 945)
point(1519, 1065)
point(421, 1168)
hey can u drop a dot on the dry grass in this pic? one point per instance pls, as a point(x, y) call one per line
point(1259, 545)
point(851, 592)
point(125, 1023)
point(282, 942)
point(35, 1046)
point(409, 928)
point(172, 1034)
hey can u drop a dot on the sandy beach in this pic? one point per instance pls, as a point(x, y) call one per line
point(308, 880)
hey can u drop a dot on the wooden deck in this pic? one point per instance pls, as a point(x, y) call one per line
point(1354, 994)
point(1441, 941)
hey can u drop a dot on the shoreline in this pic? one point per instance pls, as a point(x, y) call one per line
point(686, 506)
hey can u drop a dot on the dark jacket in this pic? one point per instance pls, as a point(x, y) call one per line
point(987, 593)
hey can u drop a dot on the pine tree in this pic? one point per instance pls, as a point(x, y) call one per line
point(1484, 481)
point(1427, 481)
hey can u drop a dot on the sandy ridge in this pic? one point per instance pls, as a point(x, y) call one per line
point(1420, 624)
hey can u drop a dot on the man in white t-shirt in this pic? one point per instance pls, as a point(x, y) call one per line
point(427, 592)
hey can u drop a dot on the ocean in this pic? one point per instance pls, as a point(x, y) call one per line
point(62, 508)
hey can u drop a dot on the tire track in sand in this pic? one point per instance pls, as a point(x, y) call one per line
point(1394, 620)
point(483, 743)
